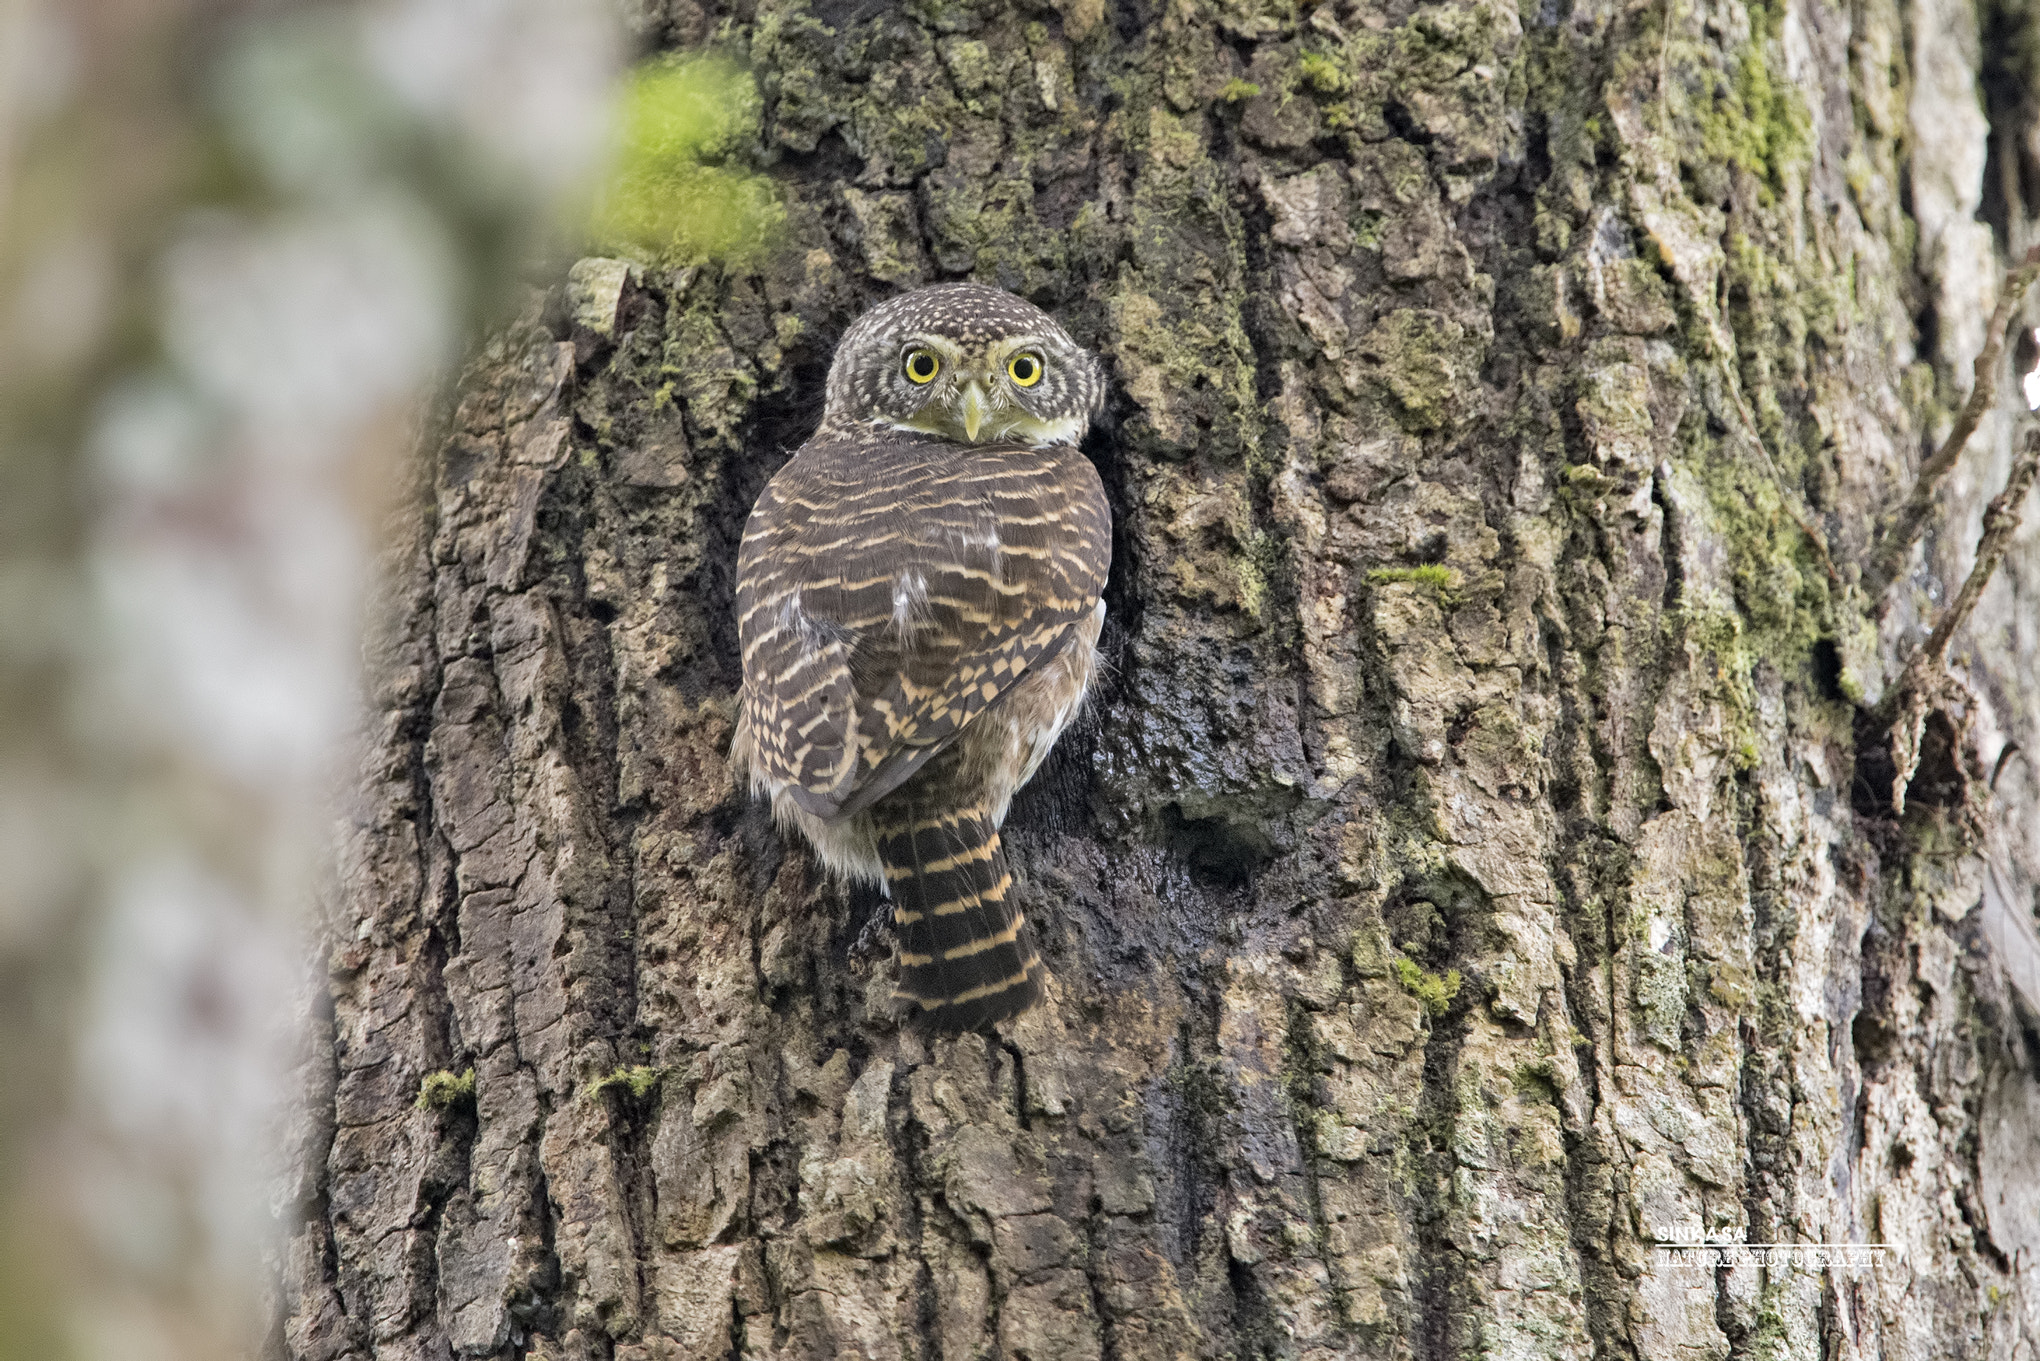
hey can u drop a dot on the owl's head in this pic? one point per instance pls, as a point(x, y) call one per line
point(969, 363)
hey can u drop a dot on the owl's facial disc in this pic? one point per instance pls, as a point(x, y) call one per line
point(980, 395)
point(968, 363)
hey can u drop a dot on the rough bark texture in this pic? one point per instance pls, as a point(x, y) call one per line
point(1466, 871)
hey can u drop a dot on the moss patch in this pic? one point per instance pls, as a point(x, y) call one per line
point(1322, 74)
point(639, 1081)
point(672, 196)
point(1435, 576)
point(446, 1089)
point(1781, 593)
point(1434, 992)
point(1427, 362)
point(1751, 117)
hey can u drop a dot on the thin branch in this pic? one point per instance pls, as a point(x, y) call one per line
point(1925, 682)
point(1906, 524)
point(2000, 522)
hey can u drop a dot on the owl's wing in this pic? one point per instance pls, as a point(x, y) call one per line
point(888, 591)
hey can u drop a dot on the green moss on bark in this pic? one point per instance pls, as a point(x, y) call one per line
point(446, 1089)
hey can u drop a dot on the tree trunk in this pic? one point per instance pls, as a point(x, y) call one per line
point(1465, 875)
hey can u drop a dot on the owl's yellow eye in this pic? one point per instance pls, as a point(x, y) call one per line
point(1024, 369)
point(922, 365)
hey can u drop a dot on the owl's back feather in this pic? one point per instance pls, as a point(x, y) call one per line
point(890, 588)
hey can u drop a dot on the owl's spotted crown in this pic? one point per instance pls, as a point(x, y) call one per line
point(969, 363)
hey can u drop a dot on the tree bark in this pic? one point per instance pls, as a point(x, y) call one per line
point(1466, 874)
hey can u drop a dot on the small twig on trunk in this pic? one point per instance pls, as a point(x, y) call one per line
point(1925, 676)
point(1906, 524)
point(2000, 522)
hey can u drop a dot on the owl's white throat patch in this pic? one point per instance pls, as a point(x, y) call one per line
point(1032, 431)
point(1059, 430)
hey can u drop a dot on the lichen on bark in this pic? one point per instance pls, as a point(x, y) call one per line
point(1456, 880)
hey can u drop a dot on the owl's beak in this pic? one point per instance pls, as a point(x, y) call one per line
point(973, 409)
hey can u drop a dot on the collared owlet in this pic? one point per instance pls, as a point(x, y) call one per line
point(918, 599)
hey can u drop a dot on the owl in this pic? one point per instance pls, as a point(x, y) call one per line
point(918, 603)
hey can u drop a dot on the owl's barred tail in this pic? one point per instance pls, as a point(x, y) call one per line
point(967, 955)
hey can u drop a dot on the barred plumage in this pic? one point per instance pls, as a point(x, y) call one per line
point(919, 613)
point(966, 953)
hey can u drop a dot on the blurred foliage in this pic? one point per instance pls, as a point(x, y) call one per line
point(298, 122)
point(239, 245)
point(673, 195)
